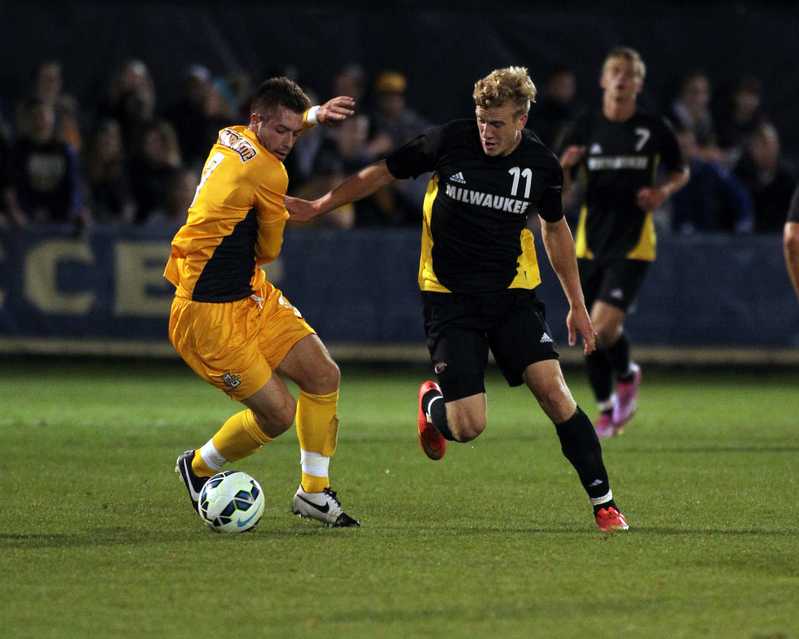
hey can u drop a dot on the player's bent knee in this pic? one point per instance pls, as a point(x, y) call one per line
point(276, 422)
point(467, 429)
point(326, 379)
point(607, 335)
point(557, 404)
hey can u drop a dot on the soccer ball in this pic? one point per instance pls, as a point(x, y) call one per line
point(231, 502)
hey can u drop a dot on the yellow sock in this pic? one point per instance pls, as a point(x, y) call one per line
point(239, 437)
point(317, 430)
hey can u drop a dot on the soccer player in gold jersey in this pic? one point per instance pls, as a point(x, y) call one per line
point(231, 325)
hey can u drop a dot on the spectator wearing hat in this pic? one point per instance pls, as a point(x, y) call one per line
point(394, 124)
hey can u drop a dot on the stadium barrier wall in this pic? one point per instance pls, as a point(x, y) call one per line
point(104, 293)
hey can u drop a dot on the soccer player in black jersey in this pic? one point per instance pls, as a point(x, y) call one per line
point(618, 151)
point(478, 272)
point(791, 241)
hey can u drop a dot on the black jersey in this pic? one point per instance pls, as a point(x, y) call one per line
point(793, 211)
point(474, 232)
point(620, 159)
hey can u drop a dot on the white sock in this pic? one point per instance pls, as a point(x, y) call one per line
point(314, 463)
point(211, 456)
point(607, 404)
point(596, 501)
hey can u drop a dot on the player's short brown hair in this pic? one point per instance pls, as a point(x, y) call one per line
point(629, 54)
point(511, 84)
point(279, 91)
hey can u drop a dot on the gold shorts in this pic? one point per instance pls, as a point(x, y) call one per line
point(236, 345)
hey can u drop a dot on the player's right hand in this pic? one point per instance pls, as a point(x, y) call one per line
point(300, 210)
point(336, 110)
point(579, 321)
point(572, 156)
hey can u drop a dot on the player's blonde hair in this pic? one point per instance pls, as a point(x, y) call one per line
point(629, 54)
point(511, 84)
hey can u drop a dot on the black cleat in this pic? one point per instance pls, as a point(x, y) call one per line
point(345, 521)
point(193, 483)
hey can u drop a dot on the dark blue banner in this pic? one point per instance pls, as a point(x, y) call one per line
point(360, 287)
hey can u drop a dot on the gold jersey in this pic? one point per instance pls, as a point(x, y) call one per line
point(235, 222)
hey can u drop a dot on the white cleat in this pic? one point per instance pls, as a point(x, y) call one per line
point(324, 507)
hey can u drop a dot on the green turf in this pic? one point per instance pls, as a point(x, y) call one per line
point(497, 540)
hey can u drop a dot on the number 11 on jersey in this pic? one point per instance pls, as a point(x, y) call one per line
point(527, 174)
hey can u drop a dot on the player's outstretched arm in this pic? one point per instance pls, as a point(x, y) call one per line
point(559, 245)
point(361, 185)
point(791, 247)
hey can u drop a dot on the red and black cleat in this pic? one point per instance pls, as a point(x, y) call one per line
point(433, 443)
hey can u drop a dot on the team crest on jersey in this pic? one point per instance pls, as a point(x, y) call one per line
point(238, 143)
point(231, 380)
point(440, 367)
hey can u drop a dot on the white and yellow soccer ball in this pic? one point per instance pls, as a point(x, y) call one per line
point(231, 502)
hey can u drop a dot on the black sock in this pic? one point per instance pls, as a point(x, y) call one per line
point(607, 504)
point(619, 356)
point(438, 412)
point(580, 445)
point(600, 374)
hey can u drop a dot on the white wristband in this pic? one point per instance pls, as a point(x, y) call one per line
point(312, 115)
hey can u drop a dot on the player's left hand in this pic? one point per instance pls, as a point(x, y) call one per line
point(579, 321)
point(648, 199)
point(336, 110)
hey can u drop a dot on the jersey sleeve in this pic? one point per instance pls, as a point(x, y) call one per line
point(419, 155)
point(269, 199)
point(550, 205)
point(670, 154)
point(793, 210)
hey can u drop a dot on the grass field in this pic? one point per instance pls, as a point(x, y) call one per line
point(497, 540)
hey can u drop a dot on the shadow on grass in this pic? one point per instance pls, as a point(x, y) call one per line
point(635, 531)
point(704, 450)
point(125, 536)
point(730, 532)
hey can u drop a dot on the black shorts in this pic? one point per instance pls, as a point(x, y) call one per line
point(461, 328)
point(616, 282)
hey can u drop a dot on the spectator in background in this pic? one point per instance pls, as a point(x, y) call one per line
point(691, 110)
point(48, 87)
point(712, 200)
point(556, 107)
point(198, 115)
point(740, 115)
point(107, 175)
point(767, 178)
point(5, 176)
point(300, 165)
point(392, 117)
point(44, 185)
point(394, 124)
point(180, 193)
point(153, 166)
point(131, 101)
point(351, 81)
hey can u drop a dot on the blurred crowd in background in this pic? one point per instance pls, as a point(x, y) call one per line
point(128, 159)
